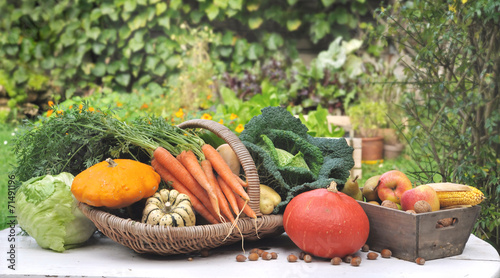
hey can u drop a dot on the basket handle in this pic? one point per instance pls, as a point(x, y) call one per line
point(242, 153)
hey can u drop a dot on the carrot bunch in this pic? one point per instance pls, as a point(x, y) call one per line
point(216, 193)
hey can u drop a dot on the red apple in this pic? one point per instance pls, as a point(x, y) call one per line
point(421, 192)
point(392, 185)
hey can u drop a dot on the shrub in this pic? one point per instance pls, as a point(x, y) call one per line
point(454, 106)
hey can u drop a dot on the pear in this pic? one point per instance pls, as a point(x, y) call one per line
point(370, 189)
point(351, 188)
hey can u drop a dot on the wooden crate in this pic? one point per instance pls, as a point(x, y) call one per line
point(410, 236)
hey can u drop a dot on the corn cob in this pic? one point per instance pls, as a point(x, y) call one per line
point(452, 194)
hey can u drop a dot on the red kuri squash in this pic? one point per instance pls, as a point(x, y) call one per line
point(326, 223)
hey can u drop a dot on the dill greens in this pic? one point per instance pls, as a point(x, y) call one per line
point(75, 138)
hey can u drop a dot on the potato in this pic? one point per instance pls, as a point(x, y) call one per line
point(266, 206)
point(230, 157)
point(268, 192)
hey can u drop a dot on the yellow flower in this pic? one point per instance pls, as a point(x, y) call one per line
point(221, 121)
point(464, 1)
point(180, 113)
point(119, 104)
point(239, 128)
point(59, 112)
point(206, 116)
point(233, 116)
point(80, 107)
point(452, 8)
point(51, 103)
point(50, 112)
point(91, 109)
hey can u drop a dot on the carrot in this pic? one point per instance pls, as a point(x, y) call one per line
point(190, 161)
point(220, 166)
point(230, 197)
point(197, 204)
point(242, 182)
point(175, 167)
point(223, 204)
point(243, 205)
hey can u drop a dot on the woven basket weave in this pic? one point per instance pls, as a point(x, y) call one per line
point(154, 239)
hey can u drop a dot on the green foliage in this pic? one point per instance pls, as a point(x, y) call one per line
point(368, 117)
point(327, 159)
point(453, 107)
point(66, 48)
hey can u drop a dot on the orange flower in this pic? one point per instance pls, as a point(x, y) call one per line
point(71, 107)
point(209, 96)
point(91, 109)
point(144, 106)
point(80, 107)
point(206, 116)
point(51, 103)
point(240, 128)
point(233, 116)
point(50, 112)
point(180, 113)
point(119, 104)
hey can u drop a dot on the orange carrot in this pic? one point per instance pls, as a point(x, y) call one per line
point(197, 204)
point(220, 166)
point(229, 194)
point(243, 205)
point(169, 162)
point(242, 182)
point(190, 161)
point(223, 204)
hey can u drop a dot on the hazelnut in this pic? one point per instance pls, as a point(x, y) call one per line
point(292, 258)
point(301, 255)
point(422, 206)
point(241, 258)
point(371, 256)
point(266, 256)
point(411, 211)
point(307, 258)
point(253, 256)
point(389, 204)
point(274, 255)
point(420, 261)
point(336, 260)
point(254, 250)
point(356, 261)
point(386, 253)
point(365, 248)
point(347, 259)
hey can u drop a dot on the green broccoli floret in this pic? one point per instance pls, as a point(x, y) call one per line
point(327, 159)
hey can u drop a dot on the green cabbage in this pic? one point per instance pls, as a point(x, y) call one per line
point(47, 211)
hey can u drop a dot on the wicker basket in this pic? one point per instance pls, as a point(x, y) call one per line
point(145, 238)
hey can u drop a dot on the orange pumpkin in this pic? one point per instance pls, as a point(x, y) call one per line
point(115, 183)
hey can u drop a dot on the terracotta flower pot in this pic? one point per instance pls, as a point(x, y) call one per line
point(372, 149)
point(392, 151)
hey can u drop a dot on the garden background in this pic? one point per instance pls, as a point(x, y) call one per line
point(428, 71)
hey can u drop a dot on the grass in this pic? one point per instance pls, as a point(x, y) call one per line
point(6, 165)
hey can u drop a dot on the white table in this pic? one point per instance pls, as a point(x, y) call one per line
point(102, 257)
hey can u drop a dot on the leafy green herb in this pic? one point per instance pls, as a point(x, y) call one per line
point(75, 138)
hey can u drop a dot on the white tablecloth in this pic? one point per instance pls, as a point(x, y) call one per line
point(102, 257)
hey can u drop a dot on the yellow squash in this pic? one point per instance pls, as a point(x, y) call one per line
point(115, 183)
